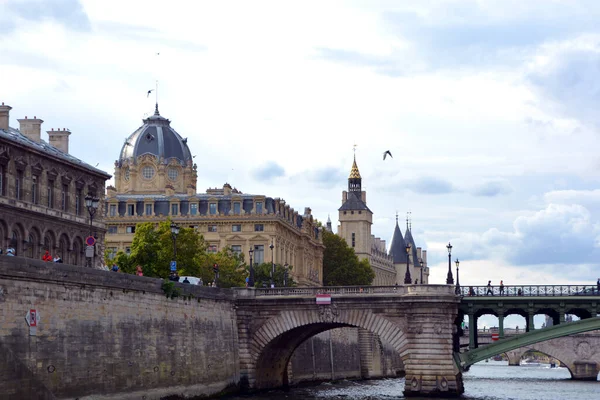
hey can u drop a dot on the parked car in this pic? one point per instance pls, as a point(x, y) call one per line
point(192, 279)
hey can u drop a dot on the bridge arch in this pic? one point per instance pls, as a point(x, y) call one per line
point(275, 341)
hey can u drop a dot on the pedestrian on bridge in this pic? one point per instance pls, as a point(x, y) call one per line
point(598, 286)
point(489, 289)
point(501, 288)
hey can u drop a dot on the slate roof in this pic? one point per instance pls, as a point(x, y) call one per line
point(15, 136)
point(354, 203)
point(413, 251)
point(398, 246)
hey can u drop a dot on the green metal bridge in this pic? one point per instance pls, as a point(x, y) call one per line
point(464, 360)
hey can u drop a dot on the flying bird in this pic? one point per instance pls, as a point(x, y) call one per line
point(149, 91)
point(386, 153)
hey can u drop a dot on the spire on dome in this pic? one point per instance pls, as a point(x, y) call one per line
point(354, 172)
point(156, 110)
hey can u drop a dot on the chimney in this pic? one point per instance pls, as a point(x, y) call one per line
point(31, 128)
point(4, 116)
point(59, 139)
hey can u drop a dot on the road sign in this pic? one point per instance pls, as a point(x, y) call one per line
point(323, 299)
point(90, 241)
point(173, 265)
point(32, 317)
point(495, 336)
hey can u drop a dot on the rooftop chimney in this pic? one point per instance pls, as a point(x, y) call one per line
point(31, 128)
point(59, 139)
point(4, 114)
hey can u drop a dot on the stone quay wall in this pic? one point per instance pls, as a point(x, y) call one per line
point(106, 335)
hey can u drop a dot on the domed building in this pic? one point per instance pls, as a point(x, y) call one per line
point(155, 179)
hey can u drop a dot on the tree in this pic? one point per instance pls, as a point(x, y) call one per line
point(230, 266)
point(341, 266)
point(262, 274)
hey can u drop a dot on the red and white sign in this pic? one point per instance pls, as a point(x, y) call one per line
point(495, 336)
point(323, 299)
point(32, 318)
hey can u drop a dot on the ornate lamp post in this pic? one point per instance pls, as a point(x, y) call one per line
point(285, 274)
point(422, 263)
point(91, 202)
point(457, 291)
point(407, 279)
point(251, 278)
point(174, 233)
point(449, 278)
point(272, 265)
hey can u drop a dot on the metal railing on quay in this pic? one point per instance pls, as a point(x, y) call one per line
point(333, 290)
point(530, 290)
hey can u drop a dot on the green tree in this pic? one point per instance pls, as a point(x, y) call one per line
point(341, 266)
point(262, 274)
point(232, 272)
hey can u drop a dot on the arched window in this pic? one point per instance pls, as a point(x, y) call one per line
point(29, 250)
point(14, 242)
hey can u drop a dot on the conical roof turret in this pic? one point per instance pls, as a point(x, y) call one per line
point(398, 246)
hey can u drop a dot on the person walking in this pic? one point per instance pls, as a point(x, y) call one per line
point(598, 286)
point(501, 288)
point(10, 252)
point(489, 289)
point(47, 257)
point(138, 271)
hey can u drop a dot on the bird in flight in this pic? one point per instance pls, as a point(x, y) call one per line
point(386, 153)
point(149, 91)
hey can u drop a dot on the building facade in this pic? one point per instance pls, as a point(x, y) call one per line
point(355, 221)
point(155, 179)
point(42, 194)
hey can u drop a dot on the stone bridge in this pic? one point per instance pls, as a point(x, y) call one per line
point(418, 321)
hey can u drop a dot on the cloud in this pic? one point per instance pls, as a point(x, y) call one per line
point(69, 13)
point(431, 185)
point(326, 177)
point(269, 170)
point(492, 189)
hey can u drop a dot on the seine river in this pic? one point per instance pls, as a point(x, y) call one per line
point(484, 381)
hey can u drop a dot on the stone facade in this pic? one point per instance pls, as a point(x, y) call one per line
point(154, 182)
point(42, 191)
point(355, 221)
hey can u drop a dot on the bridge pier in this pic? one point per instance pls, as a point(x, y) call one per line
point(584, 371)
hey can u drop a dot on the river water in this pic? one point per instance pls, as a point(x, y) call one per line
point(493, 380)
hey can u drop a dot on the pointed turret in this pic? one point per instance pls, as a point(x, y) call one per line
point(398, 246)
point(355, 199)
point(408, 238)
point(329, 224)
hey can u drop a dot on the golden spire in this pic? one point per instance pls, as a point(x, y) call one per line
point(354, 174)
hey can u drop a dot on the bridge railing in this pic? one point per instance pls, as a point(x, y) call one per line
point(333, 290)
point(531, 290)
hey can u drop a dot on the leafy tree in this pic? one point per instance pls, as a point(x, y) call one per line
point(341, 266)
point(262, 274)
point(231, 268)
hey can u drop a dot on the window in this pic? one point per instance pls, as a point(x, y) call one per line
point(353, 239)
point(112, 252)
point(193, 208)
point(50, 193)
point(237, 249)
point(174, 209)
point(78, 196)
point(212, 207)
point(127, 174)
point(148, 209)
point(237, 208)
point(173, 173)
point(64, 198)
point(148, 172)
point(236, 228)
point(212, 248)
point(34, 189)
point(259, 254)
point(130, 209)
point(128, 250)
point(112, 229)
point(113, 210)
point(19, 185)
point(259, 227)
point(212, 228)
point(130, 229)
point(259, 207)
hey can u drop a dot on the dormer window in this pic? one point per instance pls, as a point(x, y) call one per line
point(149, 137)
point(148, 172)
point(173, 173)
point(259, 207)
point(212, 208)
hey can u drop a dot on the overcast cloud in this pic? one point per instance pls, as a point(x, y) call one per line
point(490, 109)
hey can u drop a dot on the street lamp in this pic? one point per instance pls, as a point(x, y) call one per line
point(251, 278)
point(285, 274)
point(457, 283)
point(174, 233)
point(449, 278)
point(422, 263)
point(91, 202)
point(407, 279)
point(272, 264)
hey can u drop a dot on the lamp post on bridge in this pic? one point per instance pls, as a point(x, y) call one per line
point(457, 291)
point(272, 264)
point(91, 202)
point(449, 278)
point(407, 278)
point(422, 263)
point(285, 274)
point(251, 277)
point(174, 233)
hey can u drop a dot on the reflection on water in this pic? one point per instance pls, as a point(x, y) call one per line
point(484, 381)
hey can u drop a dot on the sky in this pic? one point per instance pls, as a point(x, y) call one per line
point(489, 109)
